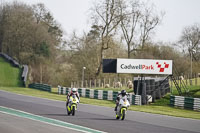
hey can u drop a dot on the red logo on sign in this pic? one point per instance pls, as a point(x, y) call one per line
point(162, 69)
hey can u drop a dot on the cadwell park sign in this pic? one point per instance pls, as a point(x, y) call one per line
point(150, 88)
point(138, 66)
point(144, 66)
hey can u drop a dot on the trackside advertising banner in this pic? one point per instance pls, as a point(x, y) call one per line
point(144, 66)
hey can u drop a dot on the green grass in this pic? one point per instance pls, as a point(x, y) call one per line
point(194, 91)
point(9, 75)
point(160, 107)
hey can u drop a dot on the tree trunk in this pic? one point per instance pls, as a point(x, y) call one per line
point(129, 52)
point(0, 47)
point(100, 63)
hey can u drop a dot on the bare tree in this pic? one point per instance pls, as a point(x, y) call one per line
point(44, 17)
point(27, 38)
point(106, 16)
point(1, 25)
point(149, 21)
point(190, 41)
point(138, 23)
point(40, 12)
point(15, 23)
point(130, 23)
point(85, 52)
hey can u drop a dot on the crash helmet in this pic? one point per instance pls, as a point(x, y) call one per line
point(74, 90)
point(123, 92)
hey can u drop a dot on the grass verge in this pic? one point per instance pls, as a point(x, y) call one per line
point(194, 91)
point(9, 75)
point(160, 107)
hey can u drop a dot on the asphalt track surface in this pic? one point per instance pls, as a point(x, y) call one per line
point(99, 118)
point(14, 124)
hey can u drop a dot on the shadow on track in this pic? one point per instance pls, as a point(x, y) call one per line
point(53, 114)
point(105, 119)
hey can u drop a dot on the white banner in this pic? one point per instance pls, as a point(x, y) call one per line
point(144, 66)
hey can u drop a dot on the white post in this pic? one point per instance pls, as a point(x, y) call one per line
point(83, 76)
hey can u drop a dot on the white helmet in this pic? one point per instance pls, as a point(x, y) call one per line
point(74, 90)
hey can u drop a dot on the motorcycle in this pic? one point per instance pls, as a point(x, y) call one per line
point(122, 108)
point(72, 105)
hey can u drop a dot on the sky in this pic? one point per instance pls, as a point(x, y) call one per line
point(74, 15)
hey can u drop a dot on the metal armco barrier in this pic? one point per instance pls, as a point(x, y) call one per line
point(25, 74)
point(100, 94)
point(43, 87)
point(10, 59)
point(185, 102)
point(16, 64)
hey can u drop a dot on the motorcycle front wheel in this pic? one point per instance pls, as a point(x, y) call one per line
point(68, 112)
point(123, 115)
point(117, 117)
point(73, 110)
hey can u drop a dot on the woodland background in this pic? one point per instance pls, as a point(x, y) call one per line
point(120, 29)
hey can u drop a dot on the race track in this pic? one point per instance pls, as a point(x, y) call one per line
point(99, 118)
point(14, 124)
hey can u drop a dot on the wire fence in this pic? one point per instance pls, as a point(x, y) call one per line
point(125, 82)
point(194, 81)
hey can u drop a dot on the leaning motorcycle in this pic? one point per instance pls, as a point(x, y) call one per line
point(72, 105)
point(122, 108)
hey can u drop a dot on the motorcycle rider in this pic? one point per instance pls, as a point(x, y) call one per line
point(73, 92)
point(121, 95)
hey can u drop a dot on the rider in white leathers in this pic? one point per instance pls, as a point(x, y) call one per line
point(120, 95)
point(73, 91)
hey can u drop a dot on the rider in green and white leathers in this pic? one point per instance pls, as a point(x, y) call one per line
point(120, 95)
